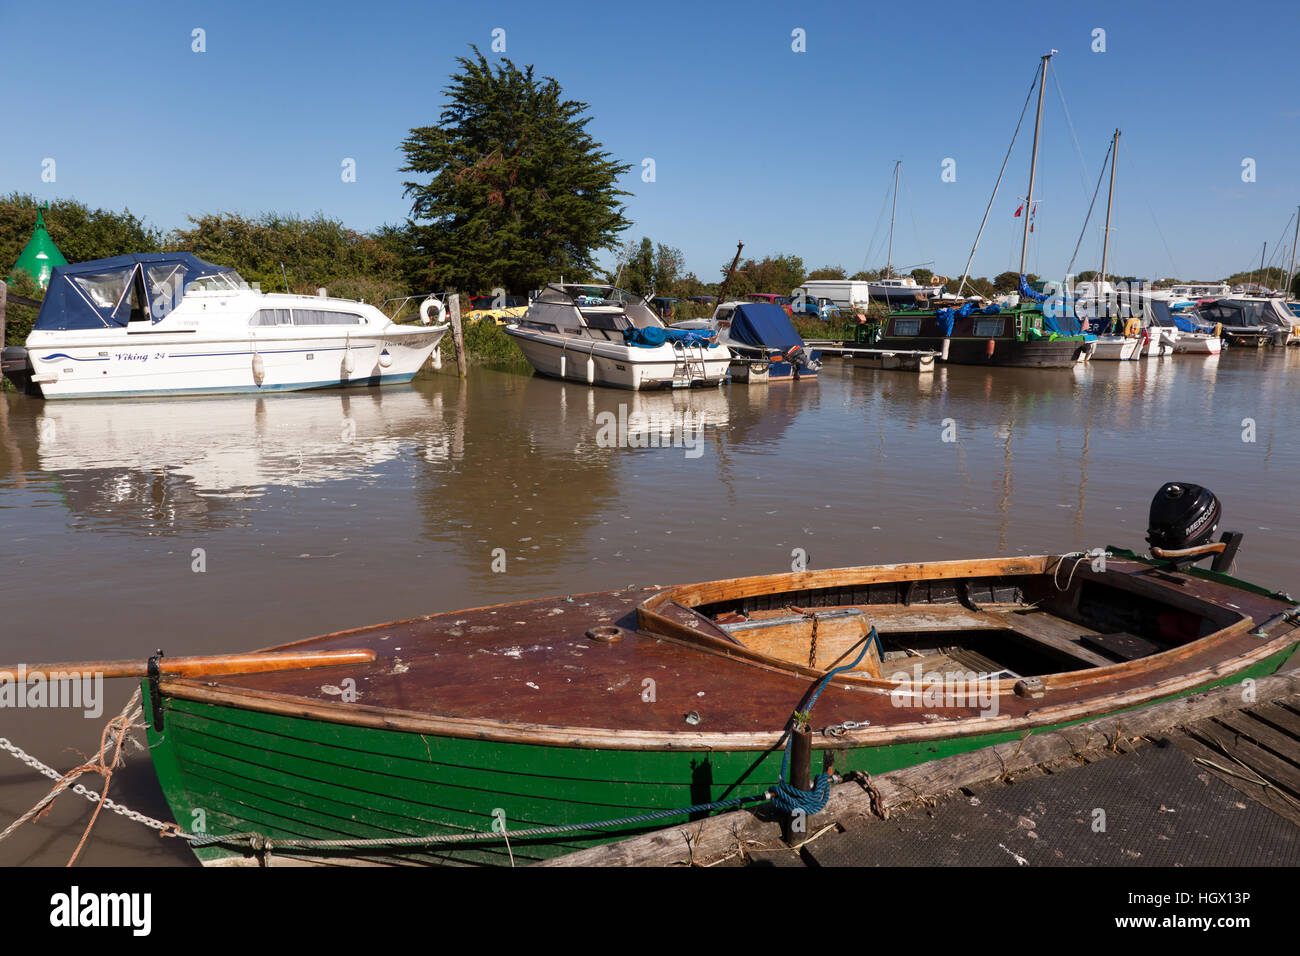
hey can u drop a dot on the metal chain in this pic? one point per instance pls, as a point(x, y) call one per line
point(839, 730)
point(167, 829)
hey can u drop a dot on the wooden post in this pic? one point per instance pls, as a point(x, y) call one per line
point(457, 339)
point(800, 779)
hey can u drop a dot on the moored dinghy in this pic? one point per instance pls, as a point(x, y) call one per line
point(615, 712)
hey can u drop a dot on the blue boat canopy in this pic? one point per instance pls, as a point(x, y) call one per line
point(764, 325)
point(107, 293)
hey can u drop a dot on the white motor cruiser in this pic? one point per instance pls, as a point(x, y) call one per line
point(172, 324)
point(602, 335)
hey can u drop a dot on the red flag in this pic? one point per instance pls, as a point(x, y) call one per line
point(1020, 207)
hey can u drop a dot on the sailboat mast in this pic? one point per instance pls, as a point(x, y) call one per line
point(1290, 272)
point(889, 257)
point(1033, 163)
point(1110, 201)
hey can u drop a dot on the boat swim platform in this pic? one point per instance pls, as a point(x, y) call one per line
point(1199, 781)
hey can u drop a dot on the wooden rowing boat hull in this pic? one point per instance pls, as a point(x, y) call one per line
point(514, 715)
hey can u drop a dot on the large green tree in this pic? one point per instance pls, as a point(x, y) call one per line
point(645, 267)
point(519, 193)
point(780, 275)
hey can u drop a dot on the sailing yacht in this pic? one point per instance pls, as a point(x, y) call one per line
point(1027, 334)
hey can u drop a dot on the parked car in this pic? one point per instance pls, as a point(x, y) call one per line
point(502, 310)
point(819, 306)
point(783, 301)
point(665, 306)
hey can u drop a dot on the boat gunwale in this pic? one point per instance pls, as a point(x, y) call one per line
point(377, 718)
point(1031, 565)
point(657, 627)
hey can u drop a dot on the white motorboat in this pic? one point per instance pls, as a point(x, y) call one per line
point(602, 335)
point(1169, 314)
point(172, 324)
point(1250, 320)
point(1114, 348)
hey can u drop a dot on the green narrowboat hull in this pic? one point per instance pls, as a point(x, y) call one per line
point(226, 770)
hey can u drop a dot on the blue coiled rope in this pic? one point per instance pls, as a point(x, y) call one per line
point(789, 798)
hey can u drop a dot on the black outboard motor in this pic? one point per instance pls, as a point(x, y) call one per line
point(1183, 519)
point(1183, 515)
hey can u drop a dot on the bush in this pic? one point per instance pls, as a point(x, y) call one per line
point(19, 319)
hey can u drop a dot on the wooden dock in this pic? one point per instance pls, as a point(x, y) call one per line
point(1209, 779)
point(884, 359)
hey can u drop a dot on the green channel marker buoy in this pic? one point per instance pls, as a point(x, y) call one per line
point(40, 256)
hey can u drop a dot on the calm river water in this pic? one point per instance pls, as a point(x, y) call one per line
point(317, 512)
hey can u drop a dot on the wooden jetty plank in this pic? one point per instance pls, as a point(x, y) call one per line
point(718, 835)
point(1237, 778)
point(1279, 717)
point(1234, 747)
point(1256, 730)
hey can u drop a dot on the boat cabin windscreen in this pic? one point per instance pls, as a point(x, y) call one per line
point(115, 292)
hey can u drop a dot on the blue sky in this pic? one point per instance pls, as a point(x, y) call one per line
point(791, 152)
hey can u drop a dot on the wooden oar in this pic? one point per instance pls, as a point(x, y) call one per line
point(190, 666)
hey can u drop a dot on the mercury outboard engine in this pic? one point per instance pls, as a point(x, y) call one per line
point(1182, 516)
point(1183, 519)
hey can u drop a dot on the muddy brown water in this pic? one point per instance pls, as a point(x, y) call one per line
point(316, 512)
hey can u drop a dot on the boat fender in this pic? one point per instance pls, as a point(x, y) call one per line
point(432, 303)
point(989, 347)
point(591, 369)
point(943, 353)
point(349, 363)
point(259, 369)
point(564, 361)
point(436, 359)
point(1132, 327)
point(385, 358)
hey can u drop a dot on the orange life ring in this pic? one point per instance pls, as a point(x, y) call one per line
point(1132, 327)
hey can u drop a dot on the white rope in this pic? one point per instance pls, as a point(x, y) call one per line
point(1080, 557)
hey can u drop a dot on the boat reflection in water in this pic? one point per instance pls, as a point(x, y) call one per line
point(186, 464)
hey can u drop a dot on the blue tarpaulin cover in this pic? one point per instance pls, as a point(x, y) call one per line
point(764, 325)
point(948, 317)
point(653, 336)
point(1029, 293)
point(100, 293)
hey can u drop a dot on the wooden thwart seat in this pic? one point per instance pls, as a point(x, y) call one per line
point(1055, 635)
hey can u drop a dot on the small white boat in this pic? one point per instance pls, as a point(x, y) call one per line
point(172, 324)
point(601, 335)
point(1114, 348)
point(1166, 314)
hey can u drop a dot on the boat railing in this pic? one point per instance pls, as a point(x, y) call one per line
point(398, 315)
